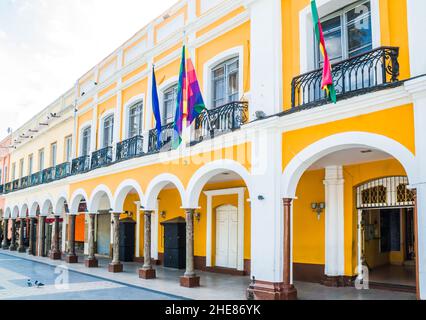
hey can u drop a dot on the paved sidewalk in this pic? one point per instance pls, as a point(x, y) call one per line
point(213, 286)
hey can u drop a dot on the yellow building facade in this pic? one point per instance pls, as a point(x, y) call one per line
point(272, 182)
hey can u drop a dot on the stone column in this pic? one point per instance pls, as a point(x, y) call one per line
point(31, 240)
point(13, 239)
point(5, 245)
point(147, 272)
point(334, 227)
point(42, 236)
point(116, 266)
point(71, 256)
point(55, 253)
point(289, 292)
point(190, 279)
point(91, 261)
point(21, 247)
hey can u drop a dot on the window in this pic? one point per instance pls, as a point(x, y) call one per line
point(225, 81)
point(347, 32)
point(1, 177)
point(21, 168)
point(68, 148)
point(108, 131)
point(53, 154)
point(30, 164)
point(169, 104)
point(5, 174)
point(41, 160)
point(13, 171)
point(135, 120)
point(85, 141)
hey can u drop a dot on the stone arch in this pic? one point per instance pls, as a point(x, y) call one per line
point(155, 187)
point(123, 190)
point(76, 198)
point(96, 197)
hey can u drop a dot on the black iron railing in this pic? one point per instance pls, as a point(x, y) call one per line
point(363, 73)
point(80, 165)
point(36, 179)
point(62, 171)
point(166, 136)
point(224, 119)
point(8, 187)
point(25, 182)
point(101, 158)
point(16, 184)
point(129, 148)
point(48, 175)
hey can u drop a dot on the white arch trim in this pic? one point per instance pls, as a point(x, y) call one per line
point(7, 213)
point(342, 141)
point(208, 171)
point(155, 187)
point(122, 191)
point(96, 196)
point(59, 204)
point(23, 211)
point(15, 212)
point(46, 203)
point(76, 197)
point(33, 208)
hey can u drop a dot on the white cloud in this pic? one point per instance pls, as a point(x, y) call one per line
point(46, 45)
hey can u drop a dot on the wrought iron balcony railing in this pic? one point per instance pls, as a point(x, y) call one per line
point(221, 120)
point(25, 182)
point(36, 179)
point(360, 74)
point(101, 158)
point(48, 175)
point(62, 170)
point(80, 165)
point(166, 136)
point(16, 184)
point(129, 148)
point(8, 187)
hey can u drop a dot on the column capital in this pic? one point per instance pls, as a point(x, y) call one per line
point(287, 201)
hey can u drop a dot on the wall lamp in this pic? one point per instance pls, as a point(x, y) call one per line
point(318, 208)
point(197, 216)
point(163, 214)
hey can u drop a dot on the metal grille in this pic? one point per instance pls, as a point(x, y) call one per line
point(384, 193)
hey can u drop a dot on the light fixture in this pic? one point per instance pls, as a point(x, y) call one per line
point(260, 115)
point(261, 198)
point(318, 208)
point(197, 216)
point(366, 151)
point(163, 214)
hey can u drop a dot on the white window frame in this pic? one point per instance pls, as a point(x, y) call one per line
point(68, 142)
point(106, 115)
point(41, 164)
point(213, 63)
point(21, 167)
point(53, 157)
point(13, 171)
point(325, 8)
point(83, 128)
point(30, 164)
point(134, 100)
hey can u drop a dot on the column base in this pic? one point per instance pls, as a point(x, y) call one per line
point(115, 267)
point(29, 252)
point(72, 258)
point(263, 290)
point(55, 256)
point(5, 247)
point(91, 263)
point(22, 250)
point(190, 282)
point(147, 274)
point(13, 247)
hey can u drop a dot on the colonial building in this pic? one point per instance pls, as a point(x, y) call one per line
point(272, 182)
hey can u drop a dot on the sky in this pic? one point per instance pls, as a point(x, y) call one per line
point(46, 45)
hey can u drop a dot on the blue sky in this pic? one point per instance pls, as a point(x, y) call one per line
point(41, 43)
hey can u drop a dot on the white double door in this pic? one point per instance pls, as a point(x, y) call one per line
point(227, 237)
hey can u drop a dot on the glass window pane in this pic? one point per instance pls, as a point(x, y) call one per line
point(359, 12)
point(333, 39)
point(360, 35)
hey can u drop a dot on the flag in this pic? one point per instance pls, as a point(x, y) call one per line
point(156, 108)
point(195, 99)
point(327, 77)
point(180, 112)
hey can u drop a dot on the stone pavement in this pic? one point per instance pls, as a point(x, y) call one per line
point(17, 267)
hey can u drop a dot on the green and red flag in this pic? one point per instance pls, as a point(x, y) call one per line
point(180, 108)
point(327, 77)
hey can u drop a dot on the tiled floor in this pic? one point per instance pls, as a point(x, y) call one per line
point(399, 275)
point(16, 268)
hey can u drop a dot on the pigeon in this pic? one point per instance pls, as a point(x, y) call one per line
point(29, 284)
point(38, 284)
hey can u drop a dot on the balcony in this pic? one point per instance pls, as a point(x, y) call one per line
point(62, 171)
point(101, 158)
point(25, 182)
point(48, 175)
point(367, 72)
point(80, 165)
point(36, 179)
point(221, 120)
point(16, 185)
point(165, 138)
point(8, 187)
point(129, 148)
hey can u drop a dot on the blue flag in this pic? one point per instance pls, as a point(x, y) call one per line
point(156, 108)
